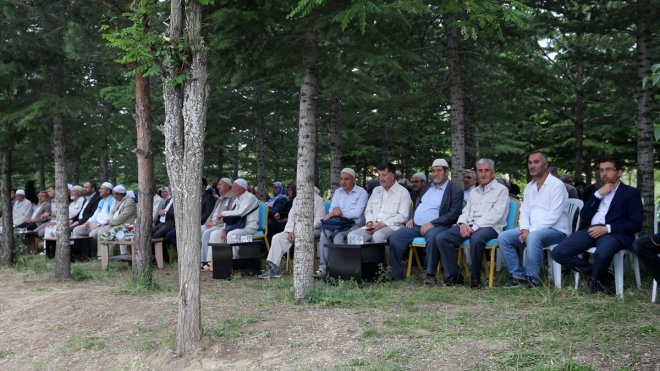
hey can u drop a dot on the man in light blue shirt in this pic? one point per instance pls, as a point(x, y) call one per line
point(348, 201)
point(437, 209)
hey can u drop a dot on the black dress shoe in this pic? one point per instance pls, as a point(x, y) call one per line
point(596, 286)
point(475, 283)
point(454, 280)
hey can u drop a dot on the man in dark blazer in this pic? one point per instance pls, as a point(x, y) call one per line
point(609, 220)
point(165, 221)
point(437, 209)
point(90, 205)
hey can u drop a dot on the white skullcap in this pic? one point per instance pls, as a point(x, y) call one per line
point(440, 162)
point(241, 183)
point(107, 185)
point(20, 192)
point(349, 171)
point(69, 186)
point(120, 189)
point(227, 181)
point(421, 176)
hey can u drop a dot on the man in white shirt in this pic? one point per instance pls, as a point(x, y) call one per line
point(214, 221)
point(608, 221)
point(388, 208)
point(22, 208)
point(348, 201)
point(101, 215)
point(482, 219)
point(245, 205)
point(543, 221)
point(283, 241)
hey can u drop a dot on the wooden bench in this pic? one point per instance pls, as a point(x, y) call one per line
point(104, 248)
point(80, 247)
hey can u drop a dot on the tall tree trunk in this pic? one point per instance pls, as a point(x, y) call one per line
point(7, 211)
point(221, 162)
point(455, 98)
point(471, 144)
point(645, 181)
point(75, 168)
point(145, 164)
point(335, 144)
point(103, 169)
point(62, 250)
point(259, 141)
point(235, 162)
point(385, 144)
point(579, 114)
point(303, 264)
point(184, 129)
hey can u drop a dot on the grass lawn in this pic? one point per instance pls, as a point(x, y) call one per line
point(100, 320)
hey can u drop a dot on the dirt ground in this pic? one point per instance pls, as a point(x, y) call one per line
point(92, 325)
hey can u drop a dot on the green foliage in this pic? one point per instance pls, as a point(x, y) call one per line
point(144, 285)
point(80, 273)
point(234, 327)
point(4, 353)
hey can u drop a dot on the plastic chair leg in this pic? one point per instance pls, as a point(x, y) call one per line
point(618, 273)
point(556, 273)
point(654, 291)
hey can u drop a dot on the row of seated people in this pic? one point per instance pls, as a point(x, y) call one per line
point(609, 221)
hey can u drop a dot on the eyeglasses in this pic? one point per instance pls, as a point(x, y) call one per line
point(607, 170)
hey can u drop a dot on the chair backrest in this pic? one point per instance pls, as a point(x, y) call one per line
point(263, 216)
point(574, 207)
point(512, 216)
point(327, 204)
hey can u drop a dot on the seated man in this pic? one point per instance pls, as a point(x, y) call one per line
point(418, 185)
point(647, 249)
point(40, 214)
point(608, 221)
point(437, 209)
point(101, 216)
point(75, 206)
point(22, 208)
point(283, 241)
point(123, 213)
point(388, 208)
point(246, 206)
point(89, 205)
point(349, 202)
point(469, 182)
point(214, 221)
point(482, 219)
point(165, 221)
point(543, 221)
point(277, 206)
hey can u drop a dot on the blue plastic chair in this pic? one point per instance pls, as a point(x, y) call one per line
point(511, 222)
point(261, 233)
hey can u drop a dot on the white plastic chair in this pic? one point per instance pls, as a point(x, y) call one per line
point(617, 261)
point(654, 289)
point(554, 268)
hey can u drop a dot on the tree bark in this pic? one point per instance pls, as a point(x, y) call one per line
point(645, 181)
point(335, 144)
point(7, 211)
point(103, 169)
point(62, 250)
point(75, 168)
point(184, 129)
point(303, 264)
point(259, 142)
point(144, 154)
point(455, 98)
point(221, 162)
point(235, 162)
point(579, 111)
point(42, 176)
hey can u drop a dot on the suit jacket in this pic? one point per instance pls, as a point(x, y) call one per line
point(89, 209)
point(127, 213)
point(624, 215)
point(169, 216)
point(41, 208)
point(450, 207)
point(207, 205)
point(225, 203)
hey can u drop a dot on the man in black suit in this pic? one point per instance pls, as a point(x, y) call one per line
point(90, 205)
point(609, 221)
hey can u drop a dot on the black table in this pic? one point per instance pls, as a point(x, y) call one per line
point(223, 263)
point(358, 262)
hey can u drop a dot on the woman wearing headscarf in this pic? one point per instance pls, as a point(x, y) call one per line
point(276, 208)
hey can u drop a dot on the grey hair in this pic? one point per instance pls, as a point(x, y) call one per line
point(487, 161)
